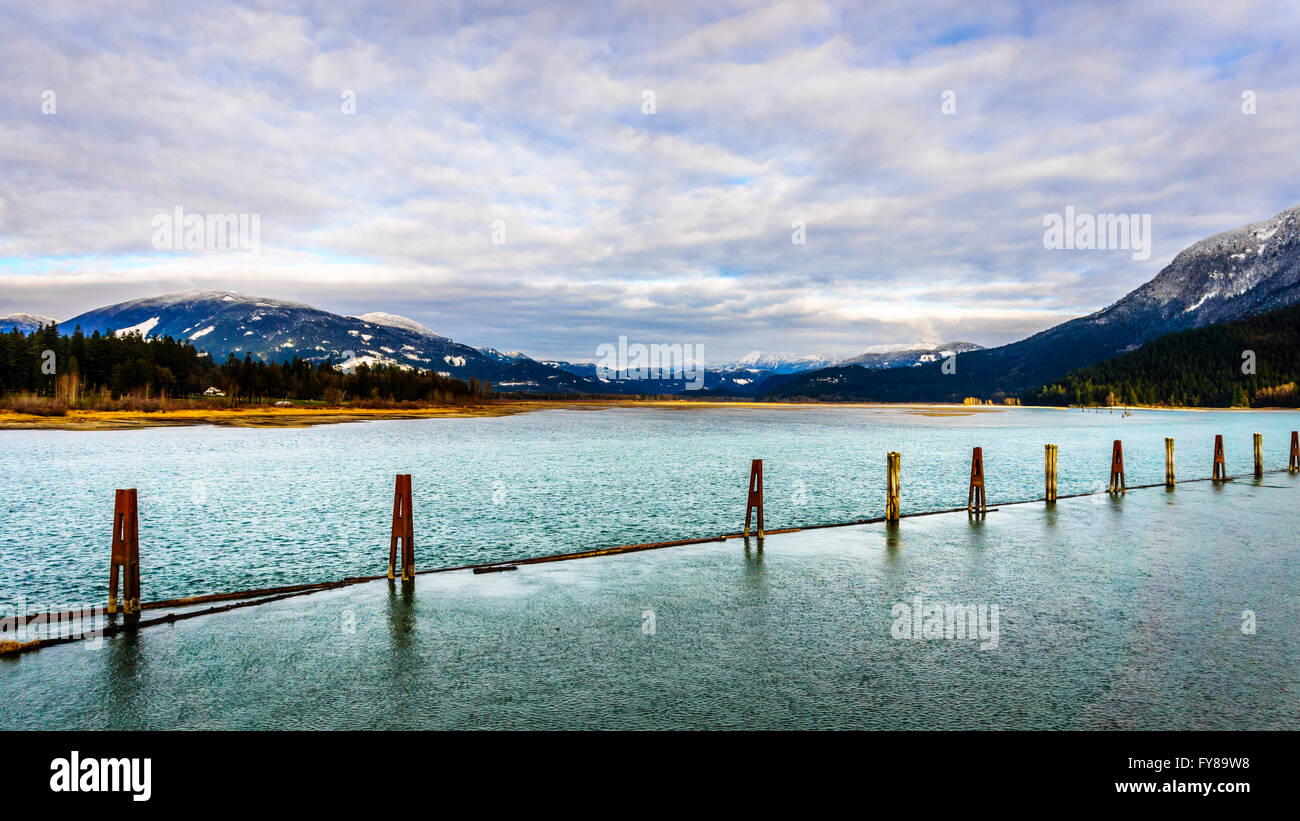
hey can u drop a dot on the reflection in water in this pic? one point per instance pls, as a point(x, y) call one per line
point(125, 680)
point(755, 575)
point(401, 614)
point(893, 538)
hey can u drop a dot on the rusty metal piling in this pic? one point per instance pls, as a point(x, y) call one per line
point(754, 500)
point(125, 553)
point(403, 530)
point(1117, 484)
point(1220, 467)
point(977, 500)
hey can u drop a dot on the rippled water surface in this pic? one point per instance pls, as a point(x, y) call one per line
point(235, 508)
point(1112, 614)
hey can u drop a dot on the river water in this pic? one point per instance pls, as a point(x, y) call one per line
point(225, 508)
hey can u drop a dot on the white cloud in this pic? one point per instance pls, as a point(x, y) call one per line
point(676, 224)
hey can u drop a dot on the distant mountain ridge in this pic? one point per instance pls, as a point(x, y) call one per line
point(25, 323)
point(222, 323)
point(1231, 275)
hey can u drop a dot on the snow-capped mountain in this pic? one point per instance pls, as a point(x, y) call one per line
point(779, 362)
point(504, 357)
point(906, 356)
point(223, 323)
point(396, 321)
point(24, 323)
point(1231, 275)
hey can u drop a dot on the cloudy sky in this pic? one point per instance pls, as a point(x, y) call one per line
point(667, 226)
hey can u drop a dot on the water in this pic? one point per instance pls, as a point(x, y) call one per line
point(1112, 614)
point(235, 508)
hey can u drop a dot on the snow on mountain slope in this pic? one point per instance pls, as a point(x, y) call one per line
point(1231, 275)
point(225, 323)
point(397, 321)
point(906, 356)
point(779, 362)
point(25, 323)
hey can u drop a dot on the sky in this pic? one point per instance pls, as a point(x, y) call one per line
point(548, 176)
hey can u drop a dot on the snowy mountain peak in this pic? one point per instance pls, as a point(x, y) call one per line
point(26, 323)
point(398, 321)
point(504, 357)
point(780, 362)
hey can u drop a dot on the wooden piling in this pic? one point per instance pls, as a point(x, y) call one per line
point(893, 485)
point(125, 553)
point(403, 530)
point(976, 500)
point(1294, 464)
point(1220, 468)
point(1169, 462)
point(755, 499)
point(1049, 465)
point(1117, 484)
point(1259, 456)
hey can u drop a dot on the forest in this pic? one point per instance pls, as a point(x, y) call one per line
point(1253, 362)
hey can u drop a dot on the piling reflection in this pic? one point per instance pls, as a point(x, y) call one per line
point(401, 614)
point(755, 575)
point(124, 680)
point(893, 538)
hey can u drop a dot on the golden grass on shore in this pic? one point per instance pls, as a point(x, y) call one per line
point(262, 416)
point(255, 416)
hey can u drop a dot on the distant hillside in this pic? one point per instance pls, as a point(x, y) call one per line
point(1228, 276)
point(26, 323)
point(1198, 368)
point(911, 356)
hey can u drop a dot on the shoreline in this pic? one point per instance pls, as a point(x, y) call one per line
point(296, 417)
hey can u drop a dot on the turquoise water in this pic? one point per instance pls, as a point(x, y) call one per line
point(1112, 614)
point(234, 508)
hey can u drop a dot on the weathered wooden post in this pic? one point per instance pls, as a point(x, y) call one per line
point(1259, 456)
point(1117, 469)
point(1049, 459)
point(755, 499)
point(893, 485)
point(125, 553)
point(976, 500)
point(1294, 464)
point(1220, 468)
point(1169, 461)
point(403, 530)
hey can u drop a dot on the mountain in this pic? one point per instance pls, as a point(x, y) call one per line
point(778, 363)
point(24, 323)
point(909, 356)
point(1231, 275)
point(222, 323)
point(504, 357)
point(1197, 368)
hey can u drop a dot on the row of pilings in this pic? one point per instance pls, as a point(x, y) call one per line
point(125, 542)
